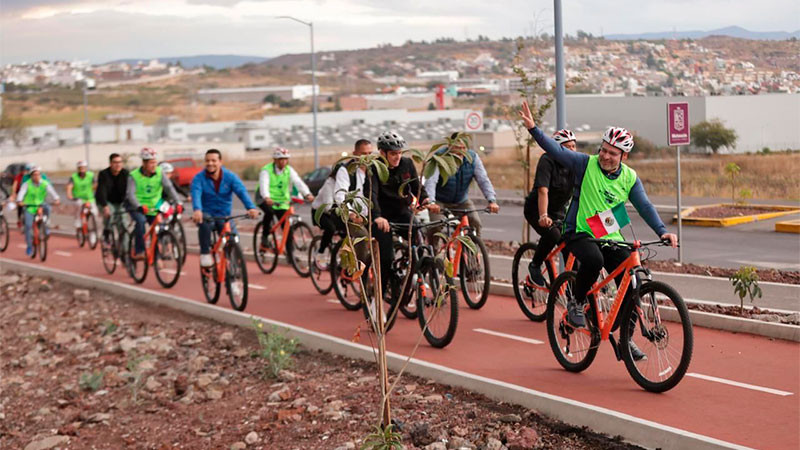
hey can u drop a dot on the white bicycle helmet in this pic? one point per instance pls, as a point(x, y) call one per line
point(147, 153)
point(564, 136)
point(166, 167)
point(619, 138)
point(81, 164)
point(390, 141)
point(280, 153)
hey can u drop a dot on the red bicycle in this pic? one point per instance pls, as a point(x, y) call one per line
point(39, 231)
point(162, 251)
point(532, 299)
point(229, 266)
point(88, 229)
point(290, 236)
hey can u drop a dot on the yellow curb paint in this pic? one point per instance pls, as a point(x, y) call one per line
point(788, 226)
point(780, 210)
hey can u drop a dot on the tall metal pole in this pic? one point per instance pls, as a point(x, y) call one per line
point(314, 95)
point(561, 107)
point(680, 224)
point(86, 121)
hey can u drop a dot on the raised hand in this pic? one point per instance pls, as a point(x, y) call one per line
point(527, 117)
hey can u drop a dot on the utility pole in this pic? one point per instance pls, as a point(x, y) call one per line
point(561, 107)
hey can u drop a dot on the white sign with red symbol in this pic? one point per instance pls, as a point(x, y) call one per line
point(473, 121)
point(678, 124)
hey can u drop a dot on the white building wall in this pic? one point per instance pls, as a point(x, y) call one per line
point(771, 120)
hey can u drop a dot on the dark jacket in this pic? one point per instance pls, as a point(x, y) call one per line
point(391, 204)
point(110, 188)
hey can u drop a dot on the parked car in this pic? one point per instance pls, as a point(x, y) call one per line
point(185, 170)
point(11, 171)
point(316, 178)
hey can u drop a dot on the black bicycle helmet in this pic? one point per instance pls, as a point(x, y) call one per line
point(390, 141)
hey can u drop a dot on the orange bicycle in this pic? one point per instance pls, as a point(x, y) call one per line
point(229, 266)
point(39, 232)
point(162, 251)
point(653, 318)
point(472, 268)
point(290, 235)
point(532, 299)
point(88, 229)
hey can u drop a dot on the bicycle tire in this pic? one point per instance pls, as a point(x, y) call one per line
point(180, 235)
point(42, 241)
point(390, 313)
point(537, 311)
point(3, 233)
point(347, 291)
point(657, 336)
point(400, 266)
point(166, 249)
point(265, 260)
point(477, 296)
point(208, 279)
point(587, 339)
point(122, 248)
point(107, 251)
point(236, 271)
point(321, 273)
point(80, 236)
point(91, 230)
point(427, 308)
point(133, 264)
point(300, 237)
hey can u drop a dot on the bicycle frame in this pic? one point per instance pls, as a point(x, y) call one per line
point(454, 242)
point(86, 210)
point(150, 251)
point(222, 261)
point(628, 266)
point(286, 223)
point(37, 219)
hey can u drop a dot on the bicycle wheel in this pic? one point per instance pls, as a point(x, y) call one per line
point(347, 290)
point(122, 248)
point(208, 278)
point(389, 308)
point(575, 349)
point(300, 237)
point(3, 233)
point(180, 235)
point(91, 229)
point(236, 277)
point(664, 334)
point(400, 266)
point(42, 241)
point(437, 303)
point(136, 268)
point(474, 274)
point(167, 260)
point(320, 266)
point(80, 236)
point(107, 251)
point(532, 300)
point(266, 253)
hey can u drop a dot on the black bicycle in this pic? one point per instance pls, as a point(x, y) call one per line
point(114, 242)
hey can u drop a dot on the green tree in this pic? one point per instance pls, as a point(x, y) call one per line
point(713, 134)
point(732, 171)
point(745, 284)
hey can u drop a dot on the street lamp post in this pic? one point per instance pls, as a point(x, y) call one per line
point(313, 84)
point(88, 84)
point(561, 107)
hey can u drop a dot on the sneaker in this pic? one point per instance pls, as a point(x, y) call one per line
point(29, 251)
point(206, 260)
point(575, 315)
point(535, 276)
point(636, 354)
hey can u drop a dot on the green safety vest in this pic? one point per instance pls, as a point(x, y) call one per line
point(279, 186)
point(599, 193)
point(148, 189)
point(82, 187)
point(35, 195)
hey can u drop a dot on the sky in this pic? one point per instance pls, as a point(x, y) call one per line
point(105, 30)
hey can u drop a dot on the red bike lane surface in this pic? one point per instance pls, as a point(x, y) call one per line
point(740, 413)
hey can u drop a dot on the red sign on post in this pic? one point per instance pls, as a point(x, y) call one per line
point(678, 124)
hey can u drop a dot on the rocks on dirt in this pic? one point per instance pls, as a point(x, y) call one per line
point(238, 446)
point(421, 434)
point(48, 442)
point(494, 444)
point(510, 418)
point(280, 395)
point(252, 438)
point(524, 439)
point(81, 295)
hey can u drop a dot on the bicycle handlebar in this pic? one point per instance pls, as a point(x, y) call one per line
point(634, 244)
point(467, 211)
point(224, 218)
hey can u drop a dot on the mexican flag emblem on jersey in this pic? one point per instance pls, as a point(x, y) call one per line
point(609, 221)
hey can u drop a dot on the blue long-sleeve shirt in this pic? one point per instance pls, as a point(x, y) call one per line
point(577, 163)
point(215, 201)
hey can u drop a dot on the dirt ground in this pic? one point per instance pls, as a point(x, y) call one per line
point(81, 369)
point(719, 212)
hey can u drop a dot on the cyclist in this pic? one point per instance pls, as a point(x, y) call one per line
point(454, 193)
point(212, 194)
point(80, 189)
point(169, 171)
point(393, 205)
point(112, 184)
point(274, 189)
point(32, 194)
point(552, 189)
point(15, 185)
point(333, 191)
point(602, 182)
point(146, 186)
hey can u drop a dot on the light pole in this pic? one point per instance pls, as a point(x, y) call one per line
point(561, 107)
point(88, 83)
point(313, 84)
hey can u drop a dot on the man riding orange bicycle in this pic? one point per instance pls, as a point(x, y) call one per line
point(603, 183)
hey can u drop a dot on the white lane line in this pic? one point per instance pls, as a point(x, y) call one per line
point(257, 286)
point(741, 385)
point(172, 272)
point(62, 253)
point(22, 246)
point(508, 336)
point(332, 300)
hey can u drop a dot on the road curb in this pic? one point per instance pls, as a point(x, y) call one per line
point(613, 423)
point(706, 320)
point(780, 210)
